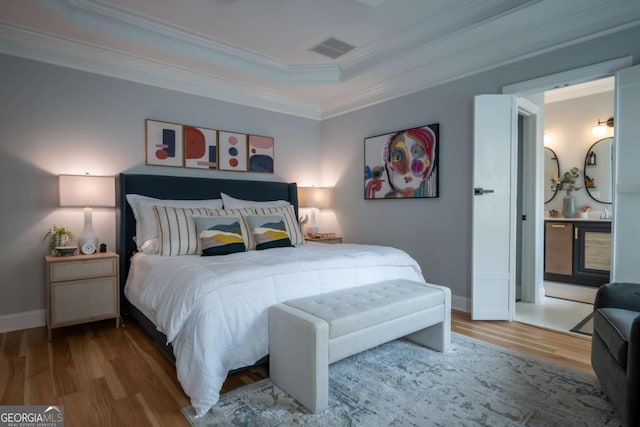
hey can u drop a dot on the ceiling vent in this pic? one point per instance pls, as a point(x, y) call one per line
point(333, 48)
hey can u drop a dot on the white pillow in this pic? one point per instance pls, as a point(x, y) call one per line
point(146, 226)
point(233, 203)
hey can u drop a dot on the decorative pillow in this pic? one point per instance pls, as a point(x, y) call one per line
point(178, 235)
point(290, 221)
point(220, 235)
point(146, 225)
point(269, 231)
point(233, 203)
point(244, 228)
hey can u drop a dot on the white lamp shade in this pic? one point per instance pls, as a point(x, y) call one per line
point(87, 191)
point(315, 197)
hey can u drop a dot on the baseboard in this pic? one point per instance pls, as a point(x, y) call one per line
point(24, 320)
point(461, 303)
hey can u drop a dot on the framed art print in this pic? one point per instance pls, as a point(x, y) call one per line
point(232, 151)
point(200, 147)
point(163, 143)
point(261, 153)
point(402, 164)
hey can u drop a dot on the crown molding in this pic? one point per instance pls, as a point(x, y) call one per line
point(463, 64)
point(115, 21)
point(450, 58)
point(584, 89)
point(420, 40)
point(26, 43)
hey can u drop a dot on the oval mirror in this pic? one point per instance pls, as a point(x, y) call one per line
point(598, 175)
point(551, 169)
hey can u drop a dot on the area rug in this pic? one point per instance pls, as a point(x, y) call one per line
point(403, 384)
point(585, 326)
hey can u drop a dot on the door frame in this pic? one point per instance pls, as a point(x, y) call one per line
point(533, 263)
point(532, 237)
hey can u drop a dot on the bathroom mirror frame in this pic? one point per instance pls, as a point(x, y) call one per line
point(593, 160)
point(547, 180)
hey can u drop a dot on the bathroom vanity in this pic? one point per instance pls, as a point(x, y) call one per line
point(577, 251)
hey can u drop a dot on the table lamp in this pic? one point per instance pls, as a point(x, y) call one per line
point(89, 192)
point(314, 198)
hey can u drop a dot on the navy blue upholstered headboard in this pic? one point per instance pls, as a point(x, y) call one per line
point(185, 188)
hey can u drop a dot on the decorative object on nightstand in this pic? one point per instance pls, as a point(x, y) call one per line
point(314, 198)
point(87, 191)
point(58, 238)
point(81, 288)
point(322, 237)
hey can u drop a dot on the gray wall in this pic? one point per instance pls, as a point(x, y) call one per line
point(437, 232)
point(61, 121)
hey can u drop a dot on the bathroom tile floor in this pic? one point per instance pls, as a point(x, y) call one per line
point(553, 313)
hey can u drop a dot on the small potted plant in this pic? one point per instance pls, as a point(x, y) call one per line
point(58, 236)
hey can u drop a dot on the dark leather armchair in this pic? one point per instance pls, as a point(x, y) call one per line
point(615, 348)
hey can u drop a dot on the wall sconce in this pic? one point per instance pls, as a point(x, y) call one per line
point(600, 129)
point(87, 191)
point(314, 198)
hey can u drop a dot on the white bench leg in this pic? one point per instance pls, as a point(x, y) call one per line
point(299, 355)
point(438, 336)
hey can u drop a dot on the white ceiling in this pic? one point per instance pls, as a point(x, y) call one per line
point(257, 52)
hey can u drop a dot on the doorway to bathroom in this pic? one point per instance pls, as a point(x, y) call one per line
point(578, 133)
point(493, 291)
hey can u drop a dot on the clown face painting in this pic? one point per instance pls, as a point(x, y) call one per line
point(402, 164)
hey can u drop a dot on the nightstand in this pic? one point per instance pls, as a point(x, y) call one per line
point(330, 240)
point(81, 288)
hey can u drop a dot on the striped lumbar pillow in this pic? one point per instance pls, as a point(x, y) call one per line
point(220, 235)
point(269, 231)
point(178, 235)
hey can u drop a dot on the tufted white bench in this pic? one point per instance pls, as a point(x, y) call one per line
point(308, 334)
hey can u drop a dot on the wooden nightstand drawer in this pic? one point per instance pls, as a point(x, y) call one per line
point(75, 270)
point(83, 301)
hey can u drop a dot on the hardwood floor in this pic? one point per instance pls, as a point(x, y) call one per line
point(117, 377)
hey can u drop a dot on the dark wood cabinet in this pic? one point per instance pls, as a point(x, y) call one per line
point(558, 254)
point(577, 252)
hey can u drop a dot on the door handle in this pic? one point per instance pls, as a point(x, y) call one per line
point(480, 191)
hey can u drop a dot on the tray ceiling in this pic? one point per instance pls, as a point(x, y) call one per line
point(259, 53)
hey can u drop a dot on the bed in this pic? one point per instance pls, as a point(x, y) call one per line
point(209, 314)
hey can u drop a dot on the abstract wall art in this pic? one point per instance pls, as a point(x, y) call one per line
point(188, 146)
point(232, 151)
point(200, 148)
point(260, 154)
point(164, 143)
point(402, 164)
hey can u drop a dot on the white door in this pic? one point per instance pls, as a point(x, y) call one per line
point(626, 195)
point(494, 206)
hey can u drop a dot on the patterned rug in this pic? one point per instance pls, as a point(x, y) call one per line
point(585, 326)
point(403, 384)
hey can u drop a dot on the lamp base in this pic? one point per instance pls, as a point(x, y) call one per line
point(88, 245)
point(88, 242)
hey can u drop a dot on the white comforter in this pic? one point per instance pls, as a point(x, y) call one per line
point(214, 309)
